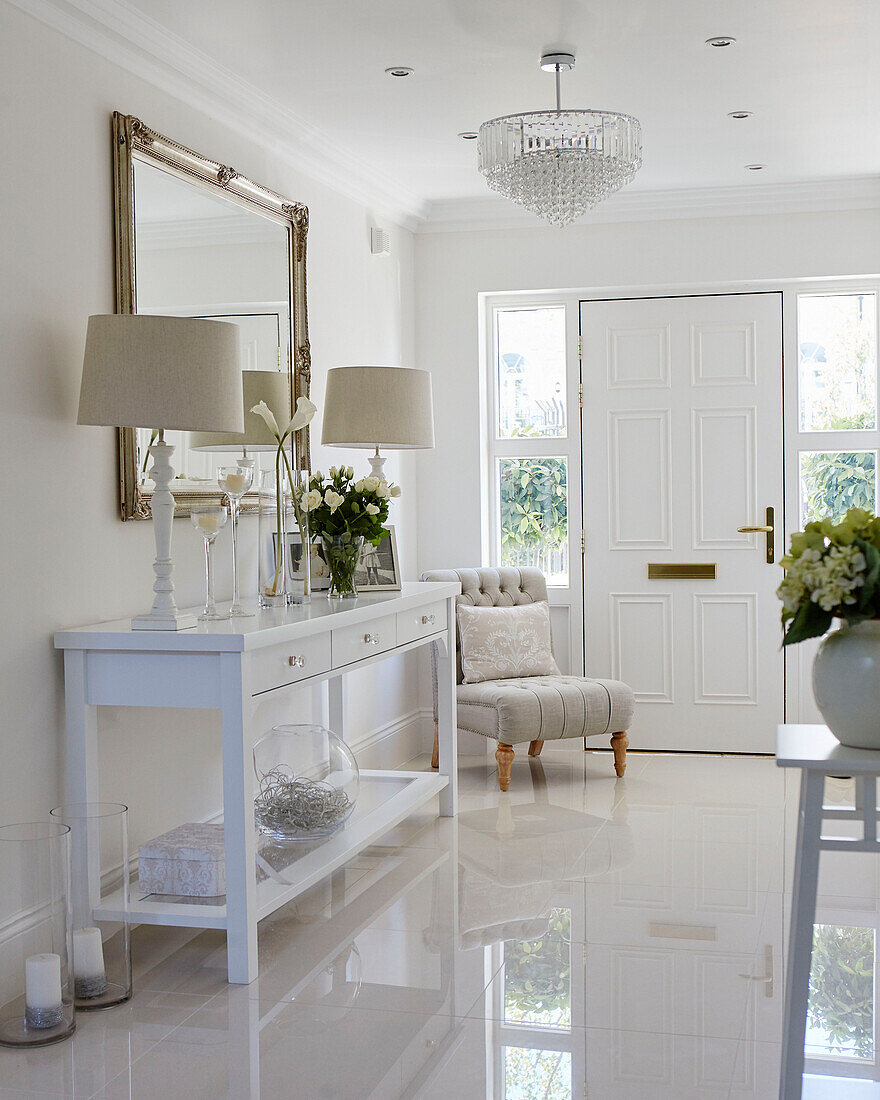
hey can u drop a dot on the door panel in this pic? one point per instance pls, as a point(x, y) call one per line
point(682, 445)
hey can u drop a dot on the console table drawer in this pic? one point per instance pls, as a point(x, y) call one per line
point(420, 622)
point(354, 643)
point(279, 665)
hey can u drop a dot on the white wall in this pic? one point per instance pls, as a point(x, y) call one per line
point(452, 269)
point(67, 558)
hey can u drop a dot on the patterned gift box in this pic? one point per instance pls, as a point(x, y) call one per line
point(189, 861)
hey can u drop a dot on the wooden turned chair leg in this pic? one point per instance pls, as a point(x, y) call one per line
point(535, 748)
point(435, 752)
point(619, 742)
point(504, 755)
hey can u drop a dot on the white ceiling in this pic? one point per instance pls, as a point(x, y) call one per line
point(808, 69)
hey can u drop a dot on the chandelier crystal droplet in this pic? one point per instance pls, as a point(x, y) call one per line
point(559, 164)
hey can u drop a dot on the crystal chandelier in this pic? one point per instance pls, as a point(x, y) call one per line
point(559, 164)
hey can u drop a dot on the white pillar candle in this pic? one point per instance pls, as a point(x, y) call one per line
point(88, 963)
point(88, 953)
point(234, 483)
point(209, 524)
point(42, 990)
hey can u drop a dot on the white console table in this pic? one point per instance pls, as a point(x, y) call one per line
point(229, 666)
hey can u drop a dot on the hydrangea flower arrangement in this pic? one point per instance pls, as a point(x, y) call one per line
point(831, 572)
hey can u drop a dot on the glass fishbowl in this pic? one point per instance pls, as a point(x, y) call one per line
point(307, 783)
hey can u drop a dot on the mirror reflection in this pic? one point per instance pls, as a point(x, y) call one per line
point(200, 254)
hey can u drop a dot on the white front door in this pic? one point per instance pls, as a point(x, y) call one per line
point(682, 445)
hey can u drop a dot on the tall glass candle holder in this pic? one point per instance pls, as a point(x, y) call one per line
point(35, 971)
point(208, 520)
point(101, 875)
point(235, 481)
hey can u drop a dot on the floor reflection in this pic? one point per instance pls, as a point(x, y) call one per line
point(579, 936)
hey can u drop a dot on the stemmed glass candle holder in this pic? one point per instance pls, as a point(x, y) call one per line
point(99, 848)
point(35, 966)
point(207, 520)
point(235, 481)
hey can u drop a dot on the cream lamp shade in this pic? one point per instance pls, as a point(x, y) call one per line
point(371, 406)
point(161, 372)
point(271, 386)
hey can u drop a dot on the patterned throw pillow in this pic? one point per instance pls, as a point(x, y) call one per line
point(498, 643)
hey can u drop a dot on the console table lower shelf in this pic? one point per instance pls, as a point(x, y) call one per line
point(286, 870)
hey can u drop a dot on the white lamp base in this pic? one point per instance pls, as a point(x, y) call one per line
point(377, 465)
point(178, 621)
point(164, 614)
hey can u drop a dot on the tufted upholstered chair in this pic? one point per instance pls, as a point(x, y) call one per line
point(531, 709)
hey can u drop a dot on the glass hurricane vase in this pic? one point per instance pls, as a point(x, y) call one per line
point(342, 554)
point(307, 783)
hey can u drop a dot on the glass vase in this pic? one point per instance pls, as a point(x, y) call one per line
point(307, 782)
point(102, 954)
point(300, 557)
point(35, 967)
point(342, 554)
point(276, 520)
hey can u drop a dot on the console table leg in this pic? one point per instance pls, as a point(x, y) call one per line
point(81, 729)
point(238, 822)
point(447, 725)
point(800, 936)
point(336, 705)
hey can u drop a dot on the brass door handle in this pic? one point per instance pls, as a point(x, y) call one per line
point(768, 528)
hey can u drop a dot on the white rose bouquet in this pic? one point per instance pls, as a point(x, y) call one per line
point(344, 513)
point(832, 571)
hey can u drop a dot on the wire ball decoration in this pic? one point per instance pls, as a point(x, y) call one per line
point(289, 804)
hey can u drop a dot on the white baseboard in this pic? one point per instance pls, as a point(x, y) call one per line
point(393, 744)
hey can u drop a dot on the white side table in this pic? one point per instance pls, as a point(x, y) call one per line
point(818, 753)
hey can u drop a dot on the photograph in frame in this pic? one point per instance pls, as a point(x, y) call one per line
point(379, 568)
point(320, 574)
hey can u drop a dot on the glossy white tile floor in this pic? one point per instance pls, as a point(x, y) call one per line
point(580, 937)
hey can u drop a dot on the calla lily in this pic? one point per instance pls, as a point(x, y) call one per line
point(263, 410)
point(305, 410)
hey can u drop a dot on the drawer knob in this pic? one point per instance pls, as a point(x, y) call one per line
point(427, 620)
point(371, 639)
point(296, 662)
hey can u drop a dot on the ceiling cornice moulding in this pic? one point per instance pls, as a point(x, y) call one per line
point(126, 37)
point(490, 212)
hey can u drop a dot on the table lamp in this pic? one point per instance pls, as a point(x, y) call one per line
point(271, 386)
point(372, 407)
point(162, 372)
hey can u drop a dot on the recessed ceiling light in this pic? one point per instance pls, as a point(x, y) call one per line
point(721, 41)
point(755, 167)
point(469, 135)
point(400, 70)
point(739, 114)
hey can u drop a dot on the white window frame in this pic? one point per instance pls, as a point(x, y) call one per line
point(800, 706)
point(566, 601)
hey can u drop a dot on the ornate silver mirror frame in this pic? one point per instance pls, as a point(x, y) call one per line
point(133, 141)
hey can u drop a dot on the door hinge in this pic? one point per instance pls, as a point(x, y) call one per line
point(580, 347)
point(580, 395)
point(583, 542)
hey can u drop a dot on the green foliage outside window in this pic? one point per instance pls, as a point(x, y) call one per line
point(842, 988)
point(834, 481)
point(537, 976)
point(534, 505)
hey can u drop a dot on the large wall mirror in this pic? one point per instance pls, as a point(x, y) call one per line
point(196, 239)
